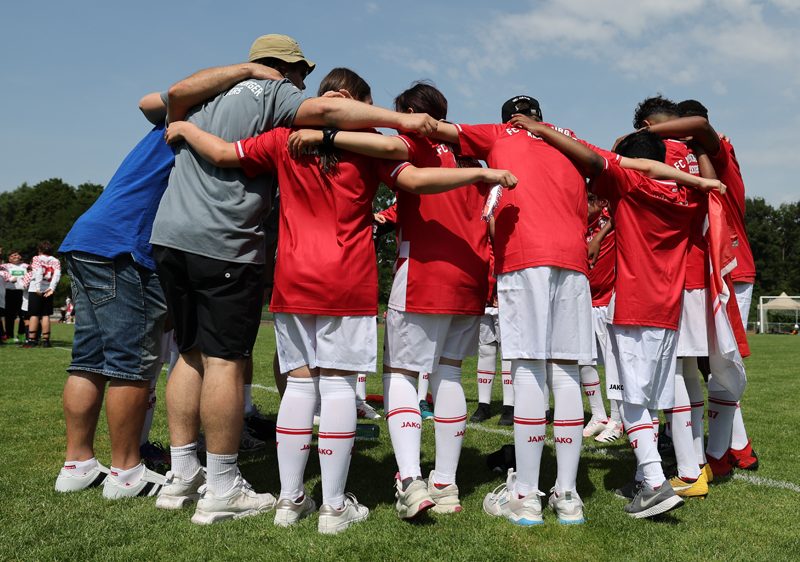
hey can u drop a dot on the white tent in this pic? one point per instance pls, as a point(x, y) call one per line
point(783, 303)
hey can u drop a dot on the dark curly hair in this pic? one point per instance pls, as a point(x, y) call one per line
point(658, 105)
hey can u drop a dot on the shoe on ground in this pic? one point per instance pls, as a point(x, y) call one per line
point(155, 456)
point(685, 489)
point(722, 469)
point(567, 506)
point(425, 410)
point(650, 502)
point(629, 490)
point(594, 427)
point(506, 416)
point(240, 501)
point(249, 443)
point(366, 412)
point(178, 492)
point(149, 485)
point(611, 433)
point(332, 520)
point(446, 498)
point(706, 469)
point(288, 512)
point(46, 343)
point(28, 343)
point(67, 481)
point(482, 413)
point(746, 458)
point(259, 425)
point(412, 497)
point(504, 502)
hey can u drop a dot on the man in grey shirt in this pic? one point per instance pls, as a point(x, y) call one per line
point(209, 248)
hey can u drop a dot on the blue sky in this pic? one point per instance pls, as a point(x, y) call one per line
point(73, 72)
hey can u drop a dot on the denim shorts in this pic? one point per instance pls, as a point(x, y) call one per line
point(120, 312)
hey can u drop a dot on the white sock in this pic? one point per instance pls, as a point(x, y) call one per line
point(450, 418)
point(221, 472)
point(739, 434)
point(487, 364)
point(293, 433)
point(691, 376)
point(567, 423)
point(151, 408)
point(401, 403)
point(80, 468)
point(508, 383)
point(639, 427)
point(361, 387)
point(721, 411)
point(529, 421)
point(130, 476)
point(590, 381)
point(248, 399)
point(422, 387)
point(679, 418)
point(614, 407)
point(337, 432)
point(183, 460)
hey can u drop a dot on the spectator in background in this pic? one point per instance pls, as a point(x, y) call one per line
point(13, 273)
point(45, 275)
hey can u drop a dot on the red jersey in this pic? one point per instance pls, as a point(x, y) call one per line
point(727, 168)
point(652, 221)
point(601, 276)
point(697, 266)
point(543, 220)
point(443, 245)
point(326, 259)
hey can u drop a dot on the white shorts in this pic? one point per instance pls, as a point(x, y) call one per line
point(600, 325)
point(640, 365)
point(693, 327)
point(744, 295)
point(490, 327)
point(348, 343)
point(545, 313)
point(416, 342)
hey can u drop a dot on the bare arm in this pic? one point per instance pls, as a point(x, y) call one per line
point(588, 162)
point(696, 127)
point(706, 167)
point(210, 147)
point(350, 114)
point(438, 180)
point(207, 83)
point(446, 132)
point(661, 171)
point(153, 108)
point(368, 144)
point(594, 244)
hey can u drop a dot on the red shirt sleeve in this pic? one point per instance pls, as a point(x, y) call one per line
point(614, 181)
point(477, 140)
point(411, 145)
point(389, 170)
point(258, 154)
point(390, 214)
point(723, 156)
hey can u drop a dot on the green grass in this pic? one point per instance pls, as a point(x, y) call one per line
point(740, 520)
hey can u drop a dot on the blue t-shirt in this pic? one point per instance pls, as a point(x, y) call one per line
point(121, 220)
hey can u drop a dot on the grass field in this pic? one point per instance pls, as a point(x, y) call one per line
point(756, 516)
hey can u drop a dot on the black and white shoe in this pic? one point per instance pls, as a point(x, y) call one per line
point(149, 485)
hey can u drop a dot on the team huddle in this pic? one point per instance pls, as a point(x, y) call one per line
point(634, 258)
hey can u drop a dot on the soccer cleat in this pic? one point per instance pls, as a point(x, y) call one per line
point(649, 502)
point(482, 413)
point(594, 427)
point(149, 485)
point(177, 492)
point(240, 501)
point(67, 481)
point(722, 469)
point(611, 433)
point(503, 502)
point(567, 506)
point(155, 456)
point(425, 410)
point(289, 512)
point(506, 416)
point(46, 343)
point(29, 343)
point(365, 411)
point(413, 497)
point(746, 458)
point(446, 498)
point(696, 489)
point(332, 520)
point(259, 425)
point(249, 443)
point(629, 490)
point(706, 469)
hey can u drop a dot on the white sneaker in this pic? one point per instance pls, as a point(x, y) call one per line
point(240, 501)
point(177, 492)
point(332, 520)
point(289, 512)
point(446, 499)
point(568, 506)
point(594, 427)
point(68, 481)
point(365, 411)
point(611, 433)
point(149, 485)
point(503, 502)
point(413, 500)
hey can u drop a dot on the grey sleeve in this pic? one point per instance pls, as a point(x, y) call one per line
point(288, 99)
point(165, 97)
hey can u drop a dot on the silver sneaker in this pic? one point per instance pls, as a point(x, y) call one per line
point(68, 481)
point(240, 501)
point(567, 506)
point(289, 512)
point(178, 493)
point(412, 500)
point(332, 520)
point(149, 485)
point(446, 499)
point(649, 502)
point(504, 502)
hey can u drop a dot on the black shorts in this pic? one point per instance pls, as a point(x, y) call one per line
point(39, 305)
point(215, 305)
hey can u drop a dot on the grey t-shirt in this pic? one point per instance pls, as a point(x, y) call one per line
point(218, 212)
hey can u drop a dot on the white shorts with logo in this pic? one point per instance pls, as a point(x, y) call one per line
point(348, 343)
point(744, 295)
point(640, 365)
point(416, 342)
point(600, 325)
point(546, 313)
point(693, 326)
point(490, 327)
